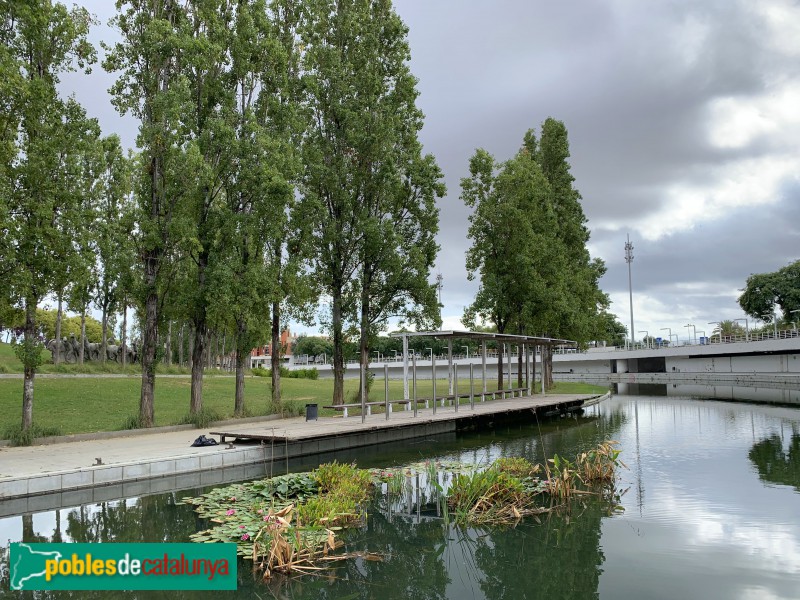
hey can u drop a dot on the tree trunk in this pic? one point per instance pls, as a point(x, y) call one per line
point(241, 357)
point(198, 365)
point(338, 348)
point(168, 349)
point(82, 349)
point(104, 335)
point(223, 358)
point(149, 341)
point(59, 313)
point(180, 345)
point(500, 350)
point(191, 345)
point(364, 346)
point(124, 336)
point(275, 359)
point(28, 365)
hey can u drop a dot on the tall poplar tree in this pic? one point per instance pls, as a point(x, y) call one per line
point(360, 150)
point(152, 86)
point(583, 301)
point(39, 136)
point(112, 229)
point(515, 250)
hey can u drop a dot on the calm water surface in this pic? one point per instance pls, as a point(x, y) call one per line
point(711, 510)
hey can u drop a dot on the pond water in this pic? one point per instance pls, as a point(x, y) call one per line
point(711, 505)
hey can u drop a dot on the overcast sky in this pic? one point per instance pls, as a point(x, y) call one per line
point(684, 124)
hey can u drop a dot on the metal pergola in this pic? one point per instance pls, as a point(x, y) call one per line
point(524, 344)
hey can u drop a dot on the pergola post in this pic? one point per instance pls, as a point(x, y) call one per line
point(363, 390)
point(433, 380)
point(405, 367)
point(483, 365)
point(528, 369)
point(414, 382)
point(450, 366)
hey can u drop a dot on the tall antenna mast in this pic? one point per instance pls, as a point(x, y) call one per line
point(629, 260)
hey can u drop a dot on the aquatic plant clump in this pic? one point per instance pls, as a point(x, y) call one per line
point(509, 489)
point(284, 522)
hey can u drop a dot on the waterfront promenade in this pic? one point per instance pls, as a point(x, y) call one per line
point(91, 464)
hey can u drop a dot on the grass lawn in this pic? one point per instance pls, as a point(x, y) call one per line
point(83, 405)
point(9, 363)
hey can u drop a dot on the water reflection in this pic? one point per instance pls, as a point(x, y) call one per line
point(711, 512)
point(776, 465)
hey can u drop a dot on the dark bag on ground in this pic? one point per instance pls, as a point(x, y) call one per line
point(204, 441)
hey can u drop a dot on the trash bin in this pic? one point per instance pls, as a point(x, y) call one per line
point(311, 412)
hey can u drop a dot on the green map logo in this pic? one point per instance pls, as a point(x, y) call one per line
point(122, 566)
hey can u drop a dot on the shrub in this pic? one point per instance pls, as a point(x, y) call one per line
point(17, 437)
point(311, 373)
point(201, 419)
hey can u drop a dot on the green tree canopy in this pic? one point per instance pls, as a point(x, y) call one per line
point(42, 143)
point(764, 292)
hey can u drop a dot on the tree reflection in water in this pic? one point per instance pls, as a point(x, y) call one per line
point(776, 465)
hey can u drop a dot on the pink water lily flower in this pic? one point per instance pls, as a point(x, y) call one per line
point(230, 512)
point(245, 536)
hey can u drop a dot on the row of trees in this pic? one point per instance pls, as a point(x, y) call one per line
point(279, 163)
point(529, 237)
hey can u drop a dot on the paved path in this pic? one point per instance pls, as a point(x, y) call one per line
point(29, 472)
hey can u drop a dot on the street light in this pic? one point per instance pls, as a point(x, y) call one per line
point(646, 336)
point(720, 329)
point(467, 349)
point(746, 328)
point(670, 332)
point(395, 354)
point(431, 349)
point(791, 312)
point(772, 316)
point(694, 337)
point(379, 354)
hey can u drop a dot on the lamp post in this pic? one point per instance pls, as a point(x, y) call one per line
point(720, 329)
point(467, 349)
point(676, 338)
point(646, 335)
point(379, 355)
point(746, 328)
point(694, 337)
point(629, 260)
point(431, 349)
point(395, 354)
point(669, 329)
